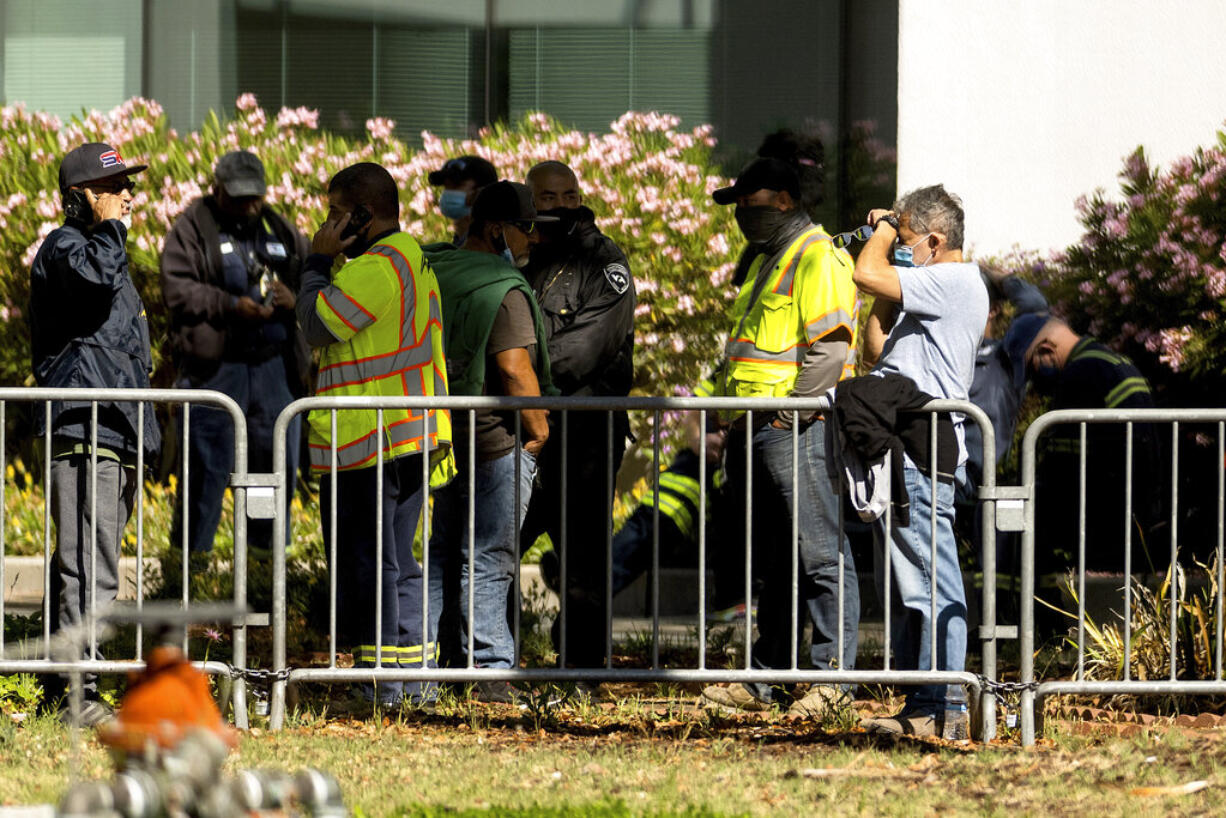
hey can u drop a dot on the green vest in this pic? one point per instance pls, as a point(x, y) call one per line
point(473, 286)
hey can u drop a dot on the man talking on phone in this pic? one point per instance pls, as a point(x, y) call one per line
point(378, 321)
point(88, 329)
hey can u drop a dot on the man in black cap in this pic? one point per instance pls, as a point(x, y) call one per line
point(495, 345)
point(88, 329)
point(230, 269)
point(793, 335)
point(462, 179)
point(583, 284)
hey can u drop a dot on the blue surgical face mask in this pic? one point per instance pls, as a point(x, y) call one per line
point(904, 256)
point(454, 204)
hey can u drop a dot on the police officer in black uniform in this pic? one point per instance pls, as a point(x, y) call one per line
point(88, 329)
point(586, 293)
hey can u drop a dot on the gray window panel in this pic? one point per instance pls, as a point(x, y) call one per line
point(424, 81)
point(589, 77)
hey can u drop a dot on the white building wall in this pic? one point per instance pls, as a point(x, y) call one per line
point(1021, 107)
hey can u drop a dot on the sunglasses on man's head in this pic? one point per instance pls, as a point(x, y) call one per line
point(841, 240)
point(456, 165)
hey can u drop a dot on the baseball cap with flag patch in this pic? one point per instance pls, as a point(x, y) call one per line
point(91, 161)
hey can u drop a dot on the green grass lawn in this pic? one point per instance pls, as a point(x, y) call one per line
point(659, 756)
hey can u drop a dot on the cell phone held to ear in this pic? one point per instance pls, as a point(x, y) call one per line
point(77, 206)
point(359, 217)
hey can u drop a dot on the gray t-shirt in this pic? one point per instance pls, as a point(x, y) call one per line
point(938, 329)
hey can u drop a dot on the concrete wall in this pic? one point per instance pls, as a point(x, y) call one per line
point(1022, 107)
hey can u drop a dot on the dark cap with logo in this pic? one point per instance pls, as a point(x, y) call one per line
point(760, 174)
point(240, 174)
point(1018, 340)
point(507, 202)
point(93, 161)
point(463, 168)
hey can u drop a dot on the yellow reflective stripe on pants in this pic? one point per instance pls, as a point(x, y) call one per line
point(676, 510)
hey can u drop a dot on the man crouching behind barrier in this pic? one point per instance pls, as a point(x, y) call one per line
point(378, 320)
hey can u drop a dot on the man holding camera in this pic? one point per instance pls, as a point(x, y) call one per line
point(230, 268)
point(88, 329)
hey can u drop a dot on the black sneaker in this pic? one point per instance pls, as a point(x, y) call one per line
point(93, 713)
point(495, 693)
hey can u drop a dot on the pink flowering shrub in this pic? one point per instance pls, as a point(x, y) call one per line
point(647, 181)
point(1149, 275)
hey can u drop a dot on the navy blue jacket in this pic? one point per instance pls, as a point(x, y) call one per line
point(88, 329)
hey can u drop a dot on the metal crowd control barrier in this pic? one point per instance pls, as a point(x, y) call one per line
point(1033, 691)
point(240, 481)
point(419, 670)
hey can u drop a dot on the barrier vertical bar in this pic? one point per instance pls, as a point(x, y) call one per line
point(3, 517)
point(241, 463)
point(563, 579)
point(1221, 535)
point(887, 582)
point(987, 701)
point(932, 532)
point(428, 646)
point(92, 615)
point(1025, 630)
point(795, 590)
point(1175, 590)
point(1081, 553)
point(185, 489)
point(608, 541)
point(516, 580)
point(47, 492)
point(748, 539)
point(140, 523)
point(332, 549)
point(379, 545)
point(655, 542)
point(702, 539)
point(471, 522)
point(1128, 551)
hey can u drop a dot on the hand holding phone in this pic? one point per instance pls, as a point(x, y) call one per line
point(333, 237)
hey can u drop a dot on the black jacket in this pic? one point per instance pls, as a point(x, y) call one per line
point(88, 329)
point(876, 414)
point(583, 284)
point(193, 291)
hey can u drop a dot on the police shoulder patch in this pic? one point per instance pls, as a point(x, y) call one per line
point(618, 277)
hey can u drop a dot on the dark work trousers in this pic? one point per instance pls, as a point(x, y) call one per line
point(78, 570)
point(820, 542)
point(399, 623)
point(261, 391)
point(588, 498)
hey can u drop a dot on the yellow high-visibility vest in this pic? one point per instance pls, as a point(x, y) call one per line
point(385, 310)
point(809, 294)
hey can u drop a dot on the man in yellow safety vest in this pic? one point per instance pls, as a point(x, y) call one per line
point(794, 334)
point(378, 320)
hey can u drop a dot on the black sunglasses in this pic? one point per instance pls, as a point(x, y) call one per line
point(527, 228)
point(841, 240)
point(113, 187)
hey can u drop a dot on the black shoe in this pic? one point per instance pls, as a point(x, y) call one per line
point(93, 713)
point(496, 693)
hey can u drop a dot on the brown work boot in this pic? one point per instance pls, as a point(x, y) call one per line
point(733, 698)
point(951, 724)
point(822, 702)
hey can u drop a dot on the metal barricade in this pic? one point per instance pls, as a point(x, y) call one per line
point(1033, 691)
point(240, 480)
point(420, 670)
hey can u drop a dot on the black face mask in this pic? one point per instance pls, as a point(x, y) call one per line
point(567, 219)
point(763, 224)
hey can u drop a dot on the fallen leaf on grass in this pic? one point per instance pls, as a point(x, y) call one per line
point(1177, 789)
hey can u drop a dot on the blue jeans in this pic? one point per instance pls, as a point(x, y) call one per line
point(820, 541)
point(496, 522)
point(912, 573)
point(261, 391)
point(359, 571)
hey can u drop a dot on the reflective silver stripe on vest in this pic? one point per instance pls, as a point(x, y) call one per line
point(363, 452)
point(346, 308)
point(407, 285)
point(372, 369)
point(745, 350)
point(827, 323)
point(785, 281)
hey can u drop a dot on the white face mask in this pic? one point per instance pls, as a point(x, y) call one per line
point(127, 221)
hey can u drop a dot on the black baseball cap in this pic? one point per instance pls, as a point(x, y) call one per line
point(1018, 340)
point(760, 174)
point(507, 202)
point(463, 168)
point(241, 173)
point(91, 161)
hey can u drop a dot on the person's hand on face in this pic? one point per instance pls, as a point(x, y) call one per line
point(327, 240)
point(110, 199)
